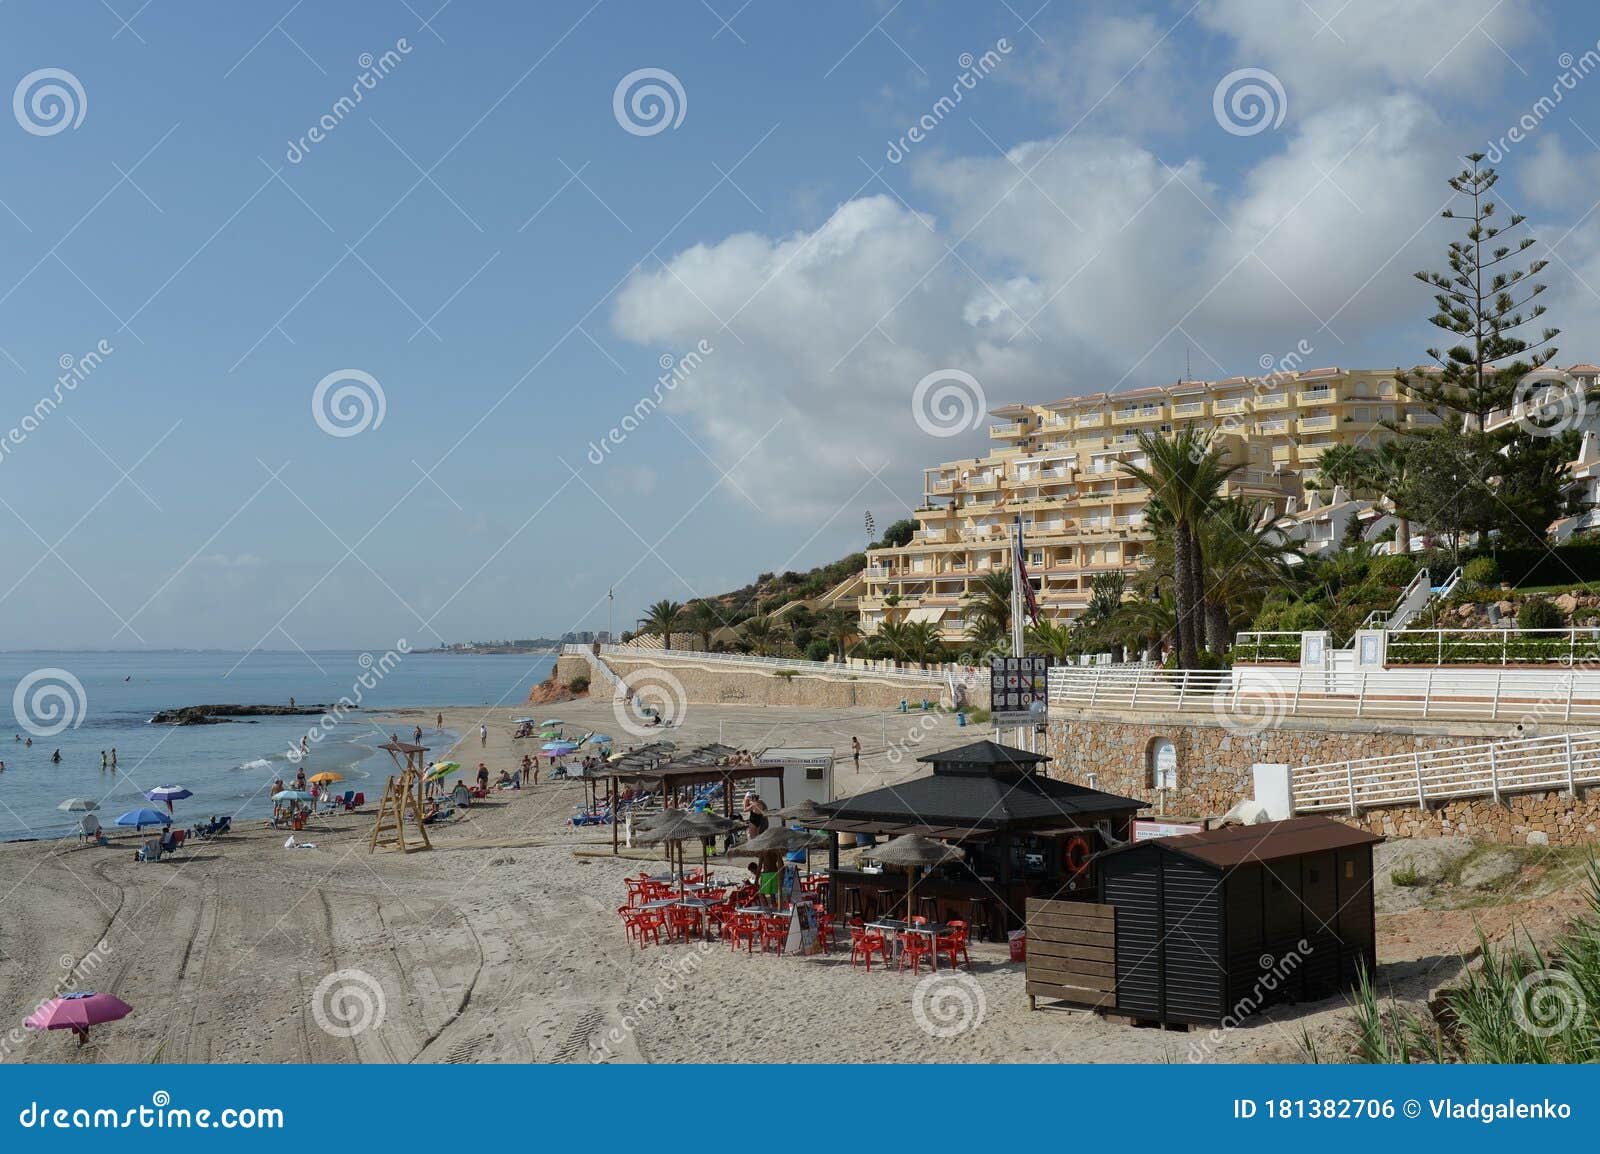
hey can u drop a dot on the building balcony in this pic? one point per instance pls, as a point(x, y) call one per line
point(1312, 451)
point(1189, 409)
point(1089, 421)
point(1139, 415)
point(1009, 429)
point(1323, 395)
point(1272, 428)
point(1271, 401)
point(1231, 405)
point(1318, 424)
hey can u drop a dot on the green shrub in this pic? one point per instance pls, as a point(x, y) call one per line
point(1397, 570)
point(818, 650)
point(1406, 877)
point(1481, 571)
point(579, 684)
point(1537, 613)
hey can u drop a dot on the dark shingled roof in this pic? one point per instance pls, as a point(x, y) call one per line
point(980, 786)
point(1269, 841)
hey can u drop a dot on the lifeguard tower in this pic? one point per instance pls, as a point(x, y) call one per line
point(402, 801)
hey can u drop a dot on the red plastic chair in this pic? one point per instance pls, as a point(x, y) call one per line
point(913, 948)
point(774, 933)
point(638, 923)
point(742, 928)
point(682, 924)
point(864, 943)
point(953, 944)
point(825, 932)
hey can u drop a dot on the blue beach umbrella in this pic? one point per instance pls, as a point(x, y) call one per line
point(292, 795)
point(558, 748)
point(139, 818)
point(168, 794)
point(599, 739)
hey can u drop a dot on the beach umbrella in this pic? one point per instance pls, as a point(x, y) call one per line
point(77, 1012)
point(549, 721)
point(558, 748)
point(139, 818)
point(782, 839)
point(326, 777)
point(801, 811)
point(675, 826)
point(522, 721)
point(78, 805)
point(286, 795)
point(447, 766)
point(915, 852)
point(599, 739)
point(168, 794)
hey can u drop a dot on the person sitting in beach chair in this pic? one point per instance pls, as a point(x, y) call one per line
point(89, 828)
point(150, 851)
point(461, 795)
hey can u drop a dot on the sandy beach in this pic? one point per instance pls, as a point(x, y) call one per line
point(503, 945)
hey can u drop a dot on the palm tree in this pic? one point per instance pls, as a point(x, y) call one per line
point(989, 611)
point(1185, 473)
point(842, 629)
point(662, 618)
point(1053, 639)
point(1246, 558)
point(1105, 596)
point(1154, 617)
point(922, 642)
point(761, 633)
point(1389, 472)
point(703, 621)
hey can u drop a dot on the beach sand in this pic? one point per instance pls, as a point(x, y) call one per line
point(503, 945)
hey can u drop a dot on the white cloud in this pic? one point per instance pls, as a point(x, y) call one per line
point(1103, 70)
point(1076, 267)
point(1334, 49)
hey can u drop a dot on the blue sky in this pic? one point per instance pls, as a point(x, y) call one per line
point(482, 238)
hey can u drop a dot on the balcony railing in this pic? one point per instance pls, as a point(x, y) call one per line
point(1317, 424)
point(1271, 401)
point(1089, 420)
point(1189, 409)
point(1007, 429)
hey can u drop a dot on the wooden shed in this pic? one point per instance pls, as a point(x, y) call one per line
point(1215, 925)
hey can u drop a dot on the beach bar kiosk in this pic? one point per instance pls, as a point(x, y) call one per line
point(1216, 925)
point(1023, 835)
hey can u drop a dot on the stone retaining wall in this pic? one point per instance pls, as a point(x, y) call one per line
point(1214, 761)
point(750, 685)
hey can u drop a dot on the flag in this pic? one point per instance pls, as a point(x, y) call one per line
point(1019, 577)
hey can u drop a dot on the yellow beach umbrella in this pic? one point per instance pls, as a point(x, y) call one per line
point(326, 777)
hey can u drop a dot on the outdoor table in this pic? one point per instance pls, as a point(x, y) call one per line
point(658, 904)
point(699, 906)
point(897, 927)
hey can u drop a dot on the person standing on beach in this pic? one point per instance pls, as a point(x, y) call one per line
point(855, 752)
point(483, 735)
point(113, 757)
point(417, 735)
point(102, 759)
point(438, 721)
point(291, 703)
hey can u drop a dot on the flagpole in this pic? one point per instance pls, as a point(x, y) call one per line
point(1017, 571)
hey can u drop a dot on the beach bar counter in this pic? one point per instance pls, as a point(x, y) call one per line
point(1023, 835)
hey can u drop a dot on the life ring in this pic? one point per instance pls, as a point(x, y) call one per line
point(1076, 853)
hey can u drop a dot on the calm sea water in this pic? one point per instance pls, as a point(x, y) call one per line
point(226, 766)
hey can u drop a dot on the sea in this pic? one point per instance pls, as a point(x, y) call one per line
point(105, 700)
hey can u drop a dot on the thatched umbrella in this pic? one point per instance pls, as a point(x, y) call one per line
point(675, 826)
point(804, 810)
point(782, 839)
point(914, 852)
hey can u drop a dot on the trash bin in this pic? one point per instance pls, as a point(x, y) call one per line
point(1018, 941)
point(961, 721)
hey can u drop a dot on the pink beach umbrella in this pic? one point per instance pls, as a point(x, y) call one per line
point(77, 1012)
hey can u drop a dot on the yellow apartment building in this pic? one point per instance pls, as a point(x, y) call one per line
point(1059, 466)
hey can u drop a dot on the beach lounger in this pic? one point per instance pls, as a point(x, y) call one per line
point(150, 851)
point(89, 828)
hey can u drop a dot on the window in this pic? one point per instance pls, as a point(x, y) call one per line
point(1163, 759)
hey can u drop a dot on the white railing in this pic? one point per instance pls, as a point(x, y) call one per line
point(933, 674)
point(1259, 697)
point(595, 664)
point(1560, 763)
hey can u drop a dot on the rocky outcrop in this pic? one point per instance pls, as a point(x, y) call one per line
point(222, 714)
